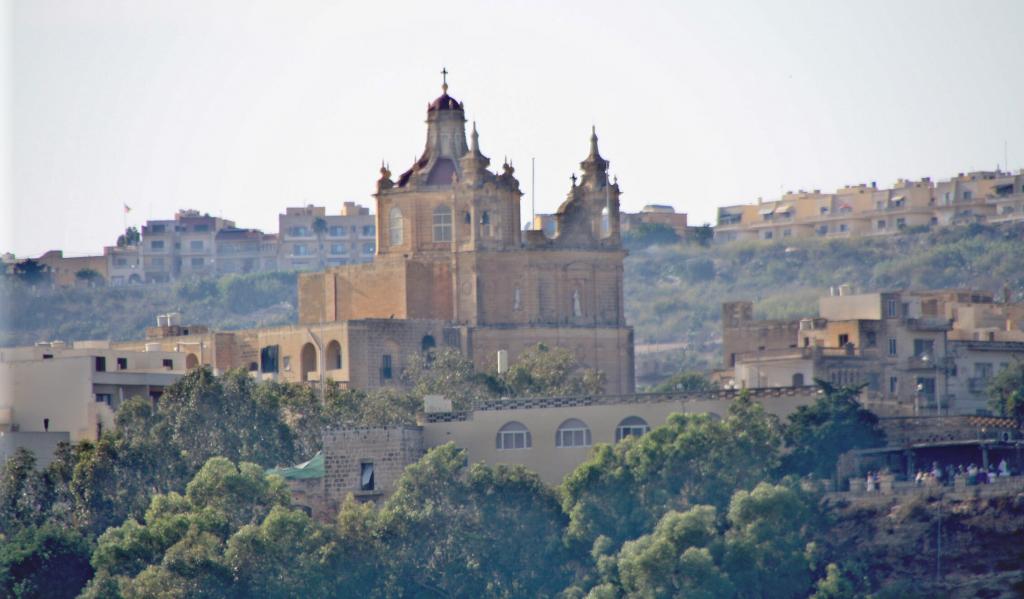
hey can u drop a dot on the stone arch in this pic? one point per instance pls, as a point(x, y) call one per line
point(191, 361)
point(427, 343)
point(307, 361)
point(333, 355)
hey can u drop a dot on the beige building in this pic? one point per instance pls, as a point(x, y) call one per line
point(63, 271)
point(550, 436)
point(918, 352)
point(180, 247)
point(860, 210)
point(311, 239)
point(52, 387)
point(240, 251)
point(656, 214)
point(124, 264)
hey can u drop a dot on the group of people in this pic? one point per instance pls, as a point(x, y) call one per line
point(973, 474)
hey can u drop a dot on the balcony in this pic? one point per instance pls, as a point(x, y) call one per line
point(922, 363)
point(927, 324)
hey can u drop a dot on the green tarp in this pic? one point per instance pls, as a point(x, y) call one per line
point(314, 468)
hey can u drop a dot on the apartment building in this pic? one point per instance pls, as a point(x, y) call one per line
point(660, 214)
point(73, 391)
point(860, 210)
point(655, 214)
point(311, 239)
point(239, 251)
point(124, 264)
point(180, 247)
point(918, 352)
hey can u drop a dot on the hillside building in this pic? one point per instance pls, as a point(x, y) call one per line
point(180, 247)
point(73, 391)
point(311, 239)
point(863, 210)
point(928, 352)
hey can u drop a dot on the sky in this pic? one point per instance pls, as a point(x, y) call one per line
point(241, 108)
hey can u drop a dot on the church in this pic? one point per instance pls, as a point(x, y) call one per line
point(454, 268)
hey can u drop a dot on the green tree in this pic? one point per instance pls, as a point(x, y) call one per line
point(178, 549)
point(47, 561)
point(89, 276)
point(24, 494)
point(457, 531)
point(684, 382)
point(320, 229)
point(130, 237)
point(647, 234)
point(546, 371)
point(622, 490)
point(1006, 392)
point(31, 272)
point(816, 435)
point(766, 551)
point(225, 416)
point(677, 559)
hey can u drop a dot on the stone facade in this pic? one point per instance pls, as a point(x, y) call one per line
point(450, 249)
point(927, 352)
point(862, 210)
point(367, 462)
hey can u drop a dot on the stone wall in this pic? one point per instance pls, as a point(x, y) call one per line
point(390, 450)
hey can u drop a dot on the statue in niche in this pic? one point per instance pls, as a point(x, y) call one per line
point(577, 310)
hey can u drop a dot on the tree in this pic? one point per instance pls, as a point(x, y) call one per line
point(1006, 392)
point(647, 234)
point(131, 237)
point(225, 416)
point(45, 561)
point(448, 372)
point(24, 494)
point(622, 491)
point(835, 423)
point(178, 548)
point(546, 371)
point(759, 550)
point(320, 229)
point(684, 382)
point(88, 276)
point(31, 272)
point(458, 531)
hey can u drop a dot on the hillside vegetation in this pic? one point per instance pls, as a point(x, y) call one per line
point(673, 291)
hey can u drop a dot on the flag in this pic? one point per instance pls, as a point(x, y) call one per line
point(127, 208)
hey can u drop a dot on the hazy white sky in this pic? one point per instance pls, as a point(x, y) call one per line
point(242, 108)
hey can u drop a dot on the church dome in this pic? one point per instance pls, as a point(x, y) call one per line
point(445, 102)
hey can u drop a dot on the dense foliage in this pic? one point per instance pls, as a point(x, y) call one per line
point(168, 505)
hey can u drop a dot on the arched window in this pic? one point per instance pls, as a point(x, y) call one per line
point(485, 224)
point(514, 436)
point(606, 225)
point(469, 219)
point(427, 343)
point(333, 355)
point(633, 425)
point(396, 227)
point(572, 433)
point(442, 223)
point(798, 379)
point(307, 362)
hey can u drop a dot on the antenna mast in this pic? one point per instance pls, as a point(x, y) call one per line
point(533, 192)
